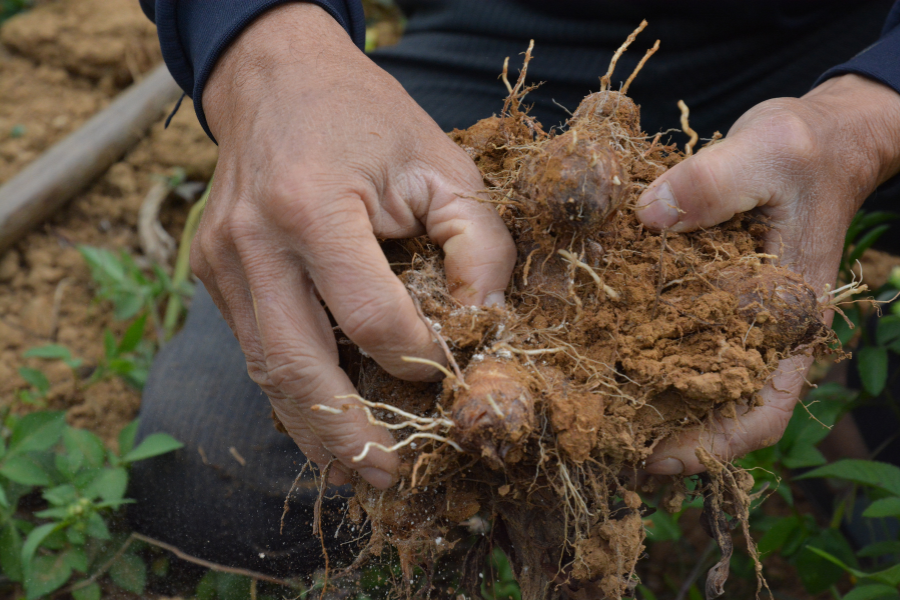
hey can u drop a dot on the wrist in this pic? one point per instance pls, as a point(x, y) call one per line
point(286, 43)
point(866, 115)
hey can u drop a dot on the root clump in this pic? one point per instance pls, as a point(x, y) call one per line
point(612, 339)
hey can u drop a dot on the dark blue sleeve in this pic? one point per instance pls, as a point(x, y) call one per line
point(194, 33)
point(881, 60)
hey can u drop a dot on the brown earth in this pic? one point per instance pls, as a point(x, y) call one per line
point(59, 64)
point(612, 339)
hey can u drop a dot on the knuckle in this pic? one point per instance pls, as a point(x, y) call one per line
point(371, 322)
point(294, 374)
point(788, 132)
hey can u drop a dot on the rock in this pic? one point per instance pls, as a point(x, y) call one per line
point(10, 337)
point(9, 266)
point(37, 317)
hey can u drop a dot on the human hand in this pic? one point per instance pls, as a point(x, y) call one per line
point(807, 164)
point(322, 152)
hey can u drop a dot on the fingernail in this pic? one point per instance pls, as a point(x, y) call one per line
point(666, 466)
point(495, 299)
point(377, 477)
point(657, 207)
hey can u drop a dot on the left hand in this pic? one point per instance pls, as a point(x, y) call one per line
point(807, 164)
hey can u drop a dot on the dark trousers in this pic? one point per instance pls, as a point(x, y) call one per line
point(221, 496)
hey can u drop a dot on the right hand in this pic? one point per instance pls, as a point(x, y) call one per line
point(321, 153)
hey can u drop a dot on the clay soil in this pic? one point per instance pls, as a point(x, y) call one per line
point(60, 63)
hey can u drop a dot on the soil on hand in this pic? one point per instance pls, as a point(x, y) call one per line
point(613, 338)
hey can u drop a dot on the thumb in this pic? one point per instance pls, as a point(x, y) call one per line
point(733, 176)
point(479, 251)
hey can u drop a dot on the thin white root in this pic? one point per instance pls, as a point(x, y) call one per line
point(535, 352)
point(686, 127)
point(505, 75)
point(416, 436)
point(640, 66)
point(578, 263)
point(495, 407)
point(832, 298)
point(604, 81)
point(381, 405)
point(438, 366)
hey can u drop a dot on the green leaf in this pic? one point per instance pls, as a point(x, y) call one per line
point(37, 431)
point(109, 344)
point(888, 330)
point(4, 501)
point(76, 559)
point(886, 507)
point(133, 335)
point(877, 549)
point(206, 589)
point(815, 573)
point(645, 592)
point(843, 331)
point(126, 437)
point(75, 535)
point(129, 573)
point(85, 444)
point(58, 512)
point(873, 591)
point(873, 368)
point(11, 552)
point(25, 469)
point(889, 576)
point(110, 485)
point(49, 351)
point(232, 587)
point(89, 592)
point(865, 242)
point(663, 527)
point(61, 495)
point(96, 527)
point(34, 540)
point(776, 537)
point(46, 574)
point(864, 472)
point(153, 445)
point(35, 379)
point(127, 306)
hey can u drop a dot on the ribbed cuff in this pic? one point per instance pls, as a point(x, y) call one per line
point(880, 61)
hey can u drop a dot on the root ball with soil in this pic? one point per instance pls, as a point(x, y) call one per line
point(613, 338)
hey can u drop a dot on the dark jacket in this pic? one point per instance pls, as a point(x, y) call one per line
point(193, 33)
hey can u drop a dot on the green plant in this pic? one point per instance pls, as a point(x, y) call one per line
point(132, 292)
point(80, 484)
point(9, 8)
point(129, 358)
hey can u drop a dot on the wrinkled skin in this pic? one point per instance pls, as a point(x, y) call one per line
point(322, 151)
point(807, 164)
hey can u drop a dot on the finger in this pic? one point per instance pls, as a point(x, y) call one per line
point(479, 251)
point(302, 367)
point(231, 294)
point(368, 301)
point(727, 439)
point(748, 169)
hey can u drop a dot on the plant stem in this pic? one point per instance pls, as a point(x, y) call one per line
point(183, 262)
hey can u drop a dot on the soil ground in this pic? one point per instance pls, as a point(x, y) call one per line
point(59, 64)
